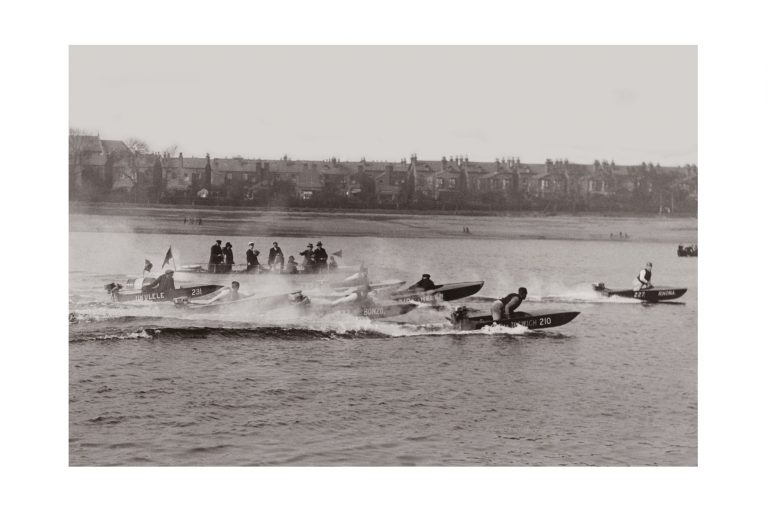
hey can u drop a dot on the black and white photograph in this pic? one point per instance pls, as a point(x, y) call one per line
point(443, 256)
point(411, 255)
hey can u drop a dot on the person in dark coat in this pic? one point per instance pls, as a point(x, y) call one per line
point(217, 257)
point(321, 258)
point(164, 283)
point(425, 283)
point(275, 257)
point(251, 258)
point(309, 259)
point(229, 257)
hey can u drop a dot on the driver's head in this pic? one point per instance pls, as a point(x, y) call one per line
point(522, 291)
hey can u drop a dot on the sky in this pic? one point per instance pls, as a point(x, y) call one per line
point(623, 103)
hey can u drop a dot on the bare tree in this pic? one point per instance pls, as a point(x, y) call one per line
point(171, 150)
point(137, 145)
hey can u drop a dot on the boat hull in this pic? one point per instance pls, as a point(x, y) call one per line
point(152, 296)
point(369, 311)
point(656, 294)
point(540, 320)
point(442, 292)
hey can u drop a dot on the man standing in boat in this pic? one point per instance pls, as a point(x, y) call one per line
point(251, 258)
point(504, 307)
point(217, 257)
point(275, 257)
point(229, 257)
point(309, 256)
point(321, 258)
point(643, 279)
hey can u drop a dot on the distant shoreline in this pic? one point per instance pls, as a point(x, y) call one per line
point(276, 223)
point(81, 207)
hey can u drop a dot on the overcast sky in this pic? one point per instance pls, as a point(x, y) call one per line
point(626, 103)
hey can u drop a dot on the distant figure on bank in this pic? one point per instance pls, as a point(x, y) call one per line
point(216, 258)
point(185, 220)
point(505, 306)
point(425, 283)
point(199, 221)
point(332, 265)
point(229, 258)
point(643, 279)
point(320, 258)
point(291, 267)
point(309, 256)
point(251, 258)
point(234, 293)
point(275, 257)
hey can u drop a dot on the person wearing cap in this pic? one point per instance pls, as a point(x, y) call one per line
point(309, 259)
point(643, 278)
point(164, 283)
point(321, 258)
point(275, 257)
point(505, 306)
point(251, 258)
point(229, 257)
point(217, 257)
point(425, 283)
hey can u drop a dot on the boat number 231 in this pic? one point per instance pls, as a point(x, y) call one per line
point(197, 291)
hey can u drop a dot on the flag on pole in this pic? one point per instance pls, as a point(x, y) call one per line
point(168, 257)
point(147, 265)
point(337, 253)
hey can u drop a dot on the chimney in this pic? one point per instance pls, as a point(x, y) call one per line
point(414, 159)
point(181, 160)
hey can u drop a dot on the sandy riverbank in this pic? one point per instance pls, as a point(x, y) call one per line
point(268, 223)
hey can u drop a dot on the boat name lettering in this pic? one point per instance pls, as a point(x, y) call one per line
point(151, 296)
point(664, 293)
point(373, 311)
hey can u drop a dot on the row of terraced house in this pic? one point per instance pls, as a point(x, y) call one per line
point(101, 169)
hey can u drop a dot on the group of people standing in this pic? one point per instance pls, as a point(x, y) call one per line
point(315, 259)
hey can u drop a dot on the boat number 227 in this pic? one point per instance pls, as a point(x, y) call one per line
point(197, 291)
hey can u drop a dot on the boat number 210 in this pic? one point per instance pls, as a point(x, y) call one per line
point(545, 320)
point(197, 291)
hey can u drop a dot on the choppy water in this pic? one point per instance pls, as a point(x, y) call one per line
point(159, 386)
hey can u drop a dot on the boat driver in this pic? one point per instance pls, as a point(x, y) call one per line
point(234, 292)
point(164, 283)
point(424, 284)
point(643, 279)
point(504, 307)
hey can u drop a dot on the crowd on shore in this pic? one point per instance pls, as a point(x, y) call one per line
point(315, 259)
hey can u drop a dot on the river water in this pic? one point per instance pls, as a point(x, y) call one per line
point(157, 385)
